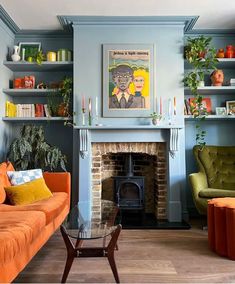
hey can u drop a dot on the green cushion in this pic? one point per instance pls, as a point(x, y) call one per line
point(218, 163)
point(214, 193)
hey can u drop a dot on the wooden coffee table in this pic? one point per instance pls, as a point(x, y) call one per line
point(78, 227)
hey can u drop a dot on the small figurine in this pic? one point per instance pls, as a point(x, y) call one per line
point(41, 86)
point(220, 53)
point(217, 77)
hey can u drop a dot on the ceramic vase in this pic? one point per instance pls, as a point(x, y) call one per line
point(15, 56)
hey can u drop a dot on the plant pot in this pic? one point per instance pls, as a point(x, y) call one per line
point(201, 84)
point(62, 110)
point(155, 121)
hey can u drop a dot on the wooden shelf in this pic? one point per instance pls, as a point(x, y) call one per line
point(211, 117)
point(16, 119)
point(211, 90)
point(29, 92)
point(224, 63)
point(45, 66)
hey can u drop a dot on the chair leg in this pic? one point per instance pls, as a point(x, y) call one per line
point(113, 266)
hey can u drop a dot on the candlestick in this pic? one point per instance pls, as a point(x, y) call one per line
point(169, 111)
point(161, 105)
point(83, 116)
point(89, 113)
point(83, 102)
point(174, 105)
point(96, 106)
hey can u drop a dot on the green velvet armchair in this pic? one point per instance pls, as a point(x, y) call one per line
point(216, 176)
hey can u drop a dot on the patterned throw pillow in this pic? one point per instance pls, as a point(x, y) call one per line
point(21, 177)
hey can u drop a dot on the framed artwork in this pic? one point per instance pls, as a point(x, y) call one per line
point(128, 80)
point(31, 49)
point(220, 111)
point(230, 106)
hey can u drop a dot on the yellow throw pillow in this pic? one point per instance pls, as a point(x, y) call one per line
point(28, 192)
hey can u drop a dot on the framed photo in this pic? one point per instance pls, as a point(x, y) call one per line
point(230, 106)
point(31, 48)
point(128, 80)
point(206, 104)
point(220, 111)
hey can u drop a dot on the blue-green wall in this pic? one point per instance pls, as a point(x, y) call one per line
point(7, 40)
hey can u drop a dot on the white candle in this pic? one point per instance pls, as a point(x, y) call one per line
point(96, 106)
point(174, 105)
point(169, 108)
point(160, 105)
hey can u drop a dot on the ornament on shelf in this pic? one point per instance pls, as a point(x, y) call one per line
point(217, 77)
point(16, 54)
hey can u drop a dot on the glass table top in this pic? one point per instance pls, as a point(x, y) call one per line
point(79, 223)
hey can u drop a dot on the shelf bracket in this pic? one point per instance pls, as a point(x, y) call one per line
point(174, 141)
point(83, 143)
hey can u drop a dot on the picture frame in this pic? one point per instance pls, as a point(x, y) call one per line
point(230, 106)
point(220, 111)
point(206, 104)
point(128, 80)
point(31, 48)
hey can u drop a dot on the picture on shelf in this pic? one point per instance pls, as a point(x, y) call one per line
point(220, 111)
point(230, 106)
point(30, 49)
point(205, 106)
point(128, 80)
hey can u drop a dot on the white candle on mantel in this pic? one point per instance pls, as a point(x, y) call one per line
point(96, 106)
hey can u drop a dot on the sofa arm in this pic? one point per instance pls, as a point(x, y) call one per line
point(198, 182)
point(58, 182)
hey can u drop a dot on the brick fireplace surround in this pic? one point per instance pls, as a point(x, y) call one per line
point(157, 154)
point(107, 161)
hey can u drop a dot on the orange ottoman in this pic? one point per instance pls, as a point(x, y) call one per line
point(221, 226)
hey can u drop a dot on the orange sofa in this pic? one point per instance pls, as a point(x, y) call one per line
point(24, 229)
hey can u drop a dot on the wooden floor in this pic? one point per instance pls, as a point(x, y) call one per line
point(144, 256)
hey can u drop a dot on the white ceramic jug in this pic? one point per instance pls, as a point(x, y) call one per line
point(15, 56)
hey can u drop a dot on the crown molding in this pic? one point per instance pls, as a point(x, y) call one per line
point(212, 32)
point(22, 34)
point(7, 20)
point(187, 21)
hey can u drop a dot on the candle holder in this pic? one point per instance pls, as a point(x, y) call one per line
point(83, 117)
point(89, 119)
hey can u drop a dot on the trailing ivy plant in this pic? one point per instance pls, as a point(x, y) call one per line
point(31, 151)
point(202, 57)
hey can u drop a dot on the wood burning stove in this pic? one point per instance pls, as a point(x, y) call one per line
point(129, 189)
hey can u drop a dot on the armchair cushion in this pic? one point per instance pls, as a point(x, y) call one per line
point(4, 167)
point(214, 193)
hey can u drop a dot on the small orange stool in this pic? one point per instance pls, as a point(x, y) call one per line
point(221, 226)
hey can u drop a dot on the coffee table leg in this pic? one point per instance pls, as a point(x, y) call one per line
point(113, 266)
point(71, 254)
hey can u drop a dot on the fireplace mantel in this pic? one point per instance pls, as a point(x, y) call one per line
point(172, 135)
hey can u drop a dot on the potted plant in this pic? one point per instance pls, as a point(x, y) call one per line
point(37, 57)
point(66, 91)
point(155, 118)
point(200, 66)
point(31, 151)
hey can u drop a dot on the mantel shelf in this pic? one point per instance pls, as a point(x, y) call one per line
point(224, 63)
point(211, 117)
point(29, 92)
point(212, 90)
point(45, 66)
point(16, 119)
point(128, 127)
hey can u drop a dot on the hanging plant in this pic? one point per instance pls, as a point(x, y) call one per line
point(202, 58)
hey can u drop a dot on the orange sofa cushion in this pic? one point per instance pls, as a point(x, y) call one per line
point(18, 230)
point(51, 207)
point(4, 181)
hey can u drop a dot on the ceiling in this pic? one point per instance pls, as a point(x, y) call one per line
point(42, 14)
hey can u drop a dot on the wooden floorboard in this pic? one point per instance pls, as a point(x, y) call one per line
point(144, 256)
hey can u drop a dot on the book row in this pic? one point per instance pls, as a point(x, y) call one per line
point(26, 110)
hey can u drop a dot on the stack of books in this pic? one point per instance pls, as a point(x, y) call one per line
point(26, 110)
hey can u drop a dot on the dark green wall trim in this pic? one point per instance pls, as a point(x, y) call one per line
point(7, 20)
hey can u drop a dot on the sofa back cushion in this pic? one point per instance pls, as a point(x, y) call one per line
point(4, 181)
point(218, 163)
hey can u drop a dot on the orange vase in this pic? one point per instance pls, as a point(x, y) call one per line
point(229, 51)
point(62, 110)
